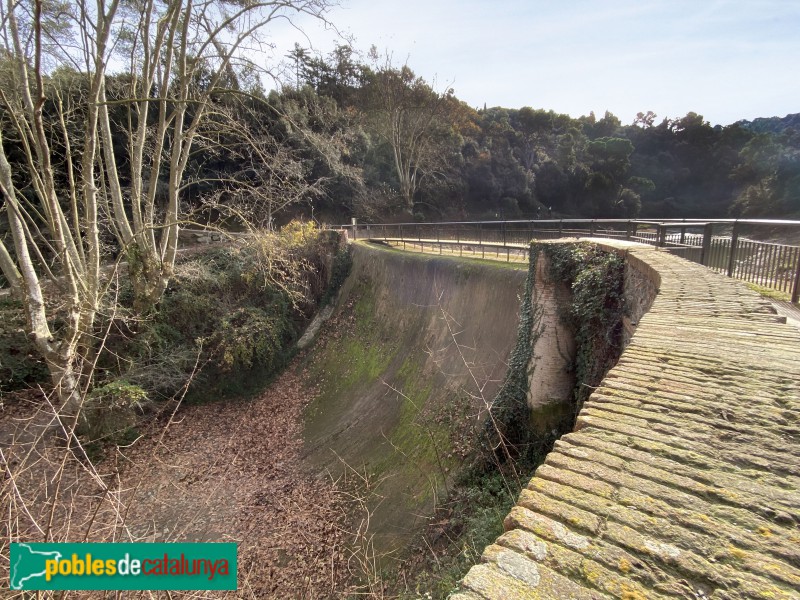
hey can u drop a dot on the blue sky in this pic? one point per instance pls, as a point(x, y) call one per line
point(724, 59)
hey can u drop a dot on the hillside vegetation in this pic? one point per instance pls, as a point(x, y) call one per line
point(225, 326)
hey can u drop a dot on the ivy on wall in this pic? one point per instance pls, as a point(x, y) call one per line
point(594, 314)
point(507, 433)
point(596, 278)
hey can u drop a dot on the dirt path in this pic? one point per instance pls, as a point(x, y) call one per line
point(231, 472)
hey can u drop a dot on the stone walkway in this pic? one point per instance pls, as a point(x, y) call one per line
point(788, 310)
point(682, 479)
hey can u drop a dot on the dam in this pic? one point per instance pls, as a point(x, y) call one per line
point(679, 477)
point(420, 347)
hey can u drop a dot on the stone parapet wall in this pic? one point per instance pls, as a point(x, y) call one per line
point(682, 477)
point(642, 283)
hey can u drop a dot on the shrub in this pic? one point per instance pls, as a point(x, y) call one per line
point(111, 412)
point(239, 308)
point(596, 278)
point(20, 367)
point(233, 311)
point(252, 336)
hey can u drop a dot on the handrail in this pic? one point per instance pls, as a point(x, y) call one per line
point(766, 264)
point(668, 221)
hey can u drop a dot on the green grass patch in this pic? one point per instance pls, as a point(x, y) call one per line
point(501, 264)
point(769, 292)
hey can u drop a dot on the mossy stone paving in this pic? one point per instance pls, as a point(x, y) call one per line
point(682, 477)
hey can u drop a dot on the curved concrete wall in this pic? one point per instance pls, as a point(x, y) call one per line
point(417, 346)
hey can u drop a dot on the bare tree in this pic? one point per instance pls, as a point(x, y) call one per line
point(179, 53)
point(274, 170)
point(407, 113)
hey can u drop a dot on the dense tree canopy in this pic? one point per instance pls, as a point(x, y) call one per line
point(418, 152)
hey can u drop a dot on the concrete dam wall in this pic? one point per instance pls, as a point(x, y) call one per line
point(417, 347)
point(416, 352)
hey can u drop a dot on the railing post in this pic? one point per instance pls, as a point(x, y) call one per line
point(683, 236)
point(355, 228)
point(592, 228)
point(796, 288)
point(480, 233)
point(734, 244)
point(662, 235)
point(705, 253)
point(629, 230)
point(560, 227)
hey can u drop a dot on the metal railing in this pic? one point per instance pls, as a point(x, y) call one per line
point(750, 250)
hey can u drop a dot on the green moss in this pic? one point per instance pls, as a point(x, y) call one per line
point(418, 443)
point(357, 361)
point(347, 363)
point(354, 357)
point(364, 310)
point(415, 397)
